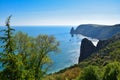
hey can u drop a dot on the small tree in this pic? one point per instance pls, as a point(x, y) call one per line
point(35, 52)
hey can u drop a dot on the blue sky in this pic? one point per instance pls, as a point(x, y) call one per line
point(60, 12)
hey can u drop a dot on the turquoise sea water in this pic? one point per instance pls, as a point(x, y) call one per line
point(69, 46)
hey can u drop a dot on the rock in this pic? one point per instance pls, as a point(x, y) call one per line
point(101, 32)
point(72, 31)
point(101, 44)
point(87, 48)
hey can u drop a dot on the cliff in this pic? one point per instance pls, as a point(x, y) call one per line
point(100, 32)
point(87, 47)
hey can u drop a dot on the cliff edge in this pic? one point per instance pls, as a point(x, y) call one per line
point(101, 32)
point(87, 47)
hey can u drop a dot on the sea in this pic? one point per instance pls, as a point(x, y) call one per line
point(69, 48)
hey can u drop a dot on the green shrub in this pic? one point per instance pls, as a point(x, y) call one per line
point(89, 73)
point(112, 71)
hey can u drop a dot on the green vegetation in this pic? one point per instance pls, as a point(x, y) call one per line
point(25, 57)
point(102, 65)
point(89, 73)
point(106, 55)
point(66, 74)
point(108, 62)
point(109, 72)
point(112, 71)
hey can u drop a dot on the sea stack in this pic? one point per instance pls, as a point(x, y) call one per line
point(72, 31)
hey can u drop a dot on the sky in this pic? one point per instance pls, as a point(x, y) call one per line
point(60, 12)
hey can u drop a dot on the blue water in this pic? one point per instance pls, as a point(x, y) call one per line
point(69, 46)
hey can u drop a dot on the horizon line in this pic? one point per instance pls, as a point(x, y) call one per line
point(62, 25)
point(42, 25)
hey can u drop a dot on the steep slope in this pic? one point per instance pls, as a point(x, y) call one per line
point(87, 47)
point(106, 51)
point(100, 32)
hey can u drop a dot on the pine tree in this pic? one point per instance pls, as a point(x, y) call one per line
point(7, 38)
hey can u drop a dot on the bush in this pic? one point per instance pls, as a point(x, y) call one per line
point(112, 71)
point(89, 73)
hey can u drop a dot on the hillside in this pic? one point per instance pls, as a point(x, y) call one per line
point(88, 48)
point(108, 53)
point(106, 58)
point(100, 32)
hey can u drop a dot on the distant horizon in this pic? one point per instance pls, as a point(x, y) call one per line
point(61, 25)
point(60, 12)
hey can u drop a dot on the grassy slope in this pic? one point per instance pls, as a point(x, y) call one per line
point(101, 58)
point(66, 74)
